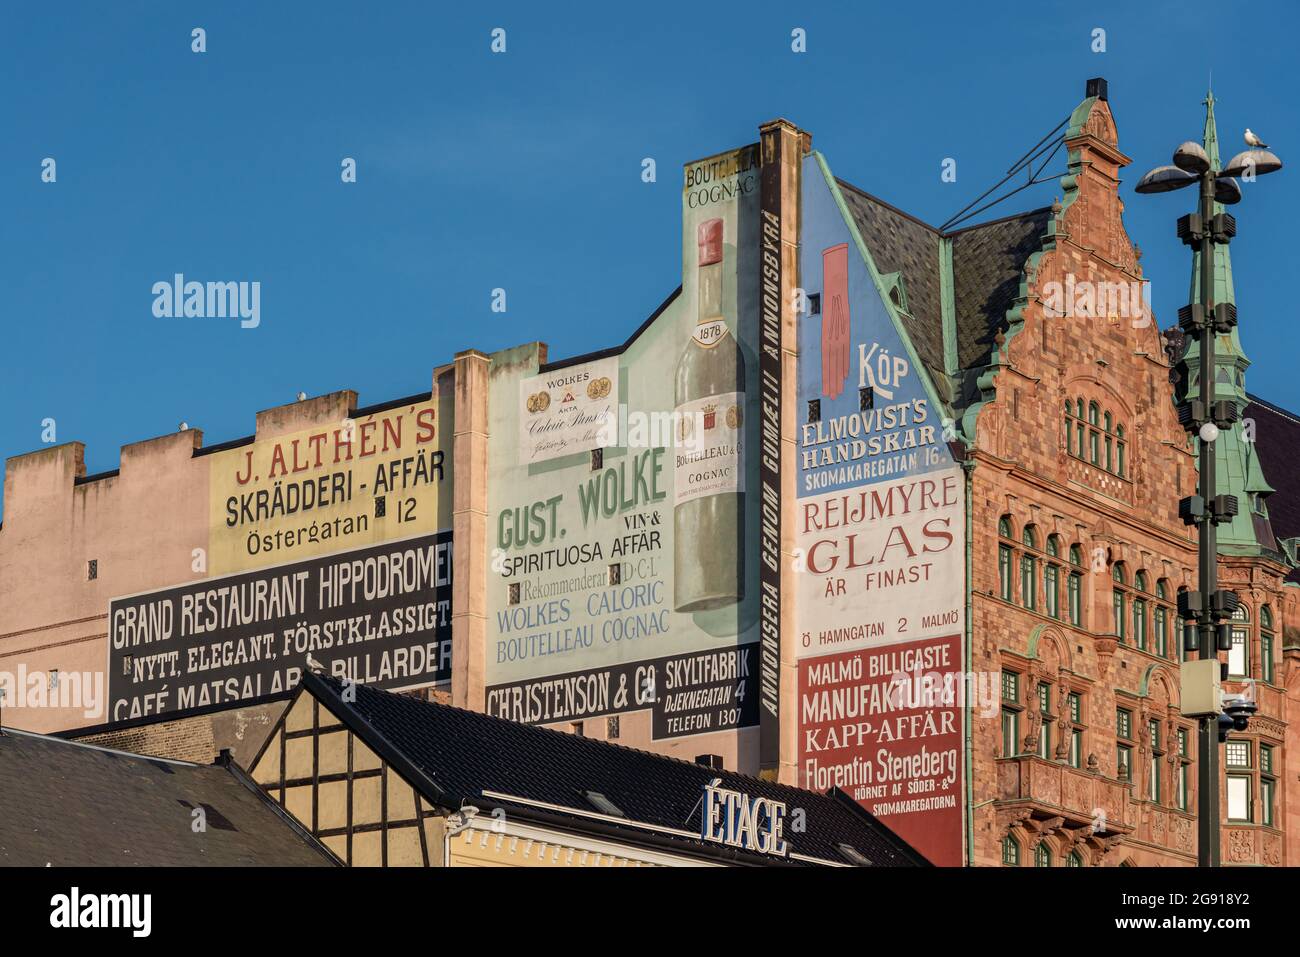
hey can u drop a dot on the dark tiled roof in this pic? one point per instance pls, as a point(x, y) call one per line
point(1277, 443)
point(70, 804)
point(465, 753)
point(988, 262)
point(903, 244)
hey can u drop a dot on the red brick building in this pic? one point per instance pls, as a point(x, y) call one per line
point(1077, 467)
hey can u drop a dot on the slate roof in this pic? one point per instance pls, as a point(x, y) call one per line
point(464, 753)
point(988, 262)
point(68, 804)
point(1277, 443)
point(902, 243)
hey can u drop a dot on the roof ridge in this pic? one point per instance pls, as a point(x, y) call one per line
point(890, 206)
point(7, 731)
point(1001, 219)
point(1277, 409)
point(567, 736)
point(934, 229)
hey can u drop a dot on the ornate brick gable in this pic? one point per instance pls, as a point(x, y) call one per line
point(1079, 370)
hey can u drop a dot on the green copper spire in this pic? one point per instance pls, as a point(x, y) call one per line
point(1237, 465)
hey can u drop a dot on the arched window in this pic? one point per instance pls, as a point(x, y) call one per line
point(1010, 851)
point(1140, 622)
point(1074, 587)
point(1074, 860)
point(1029, 569)
point(1239, 653)
point(1266, 644)
point(1052, 578)
point(1042, 855)
point(1095, 436)
point(1140, 610)
point(1119, 600)
point(1181, 625)
point(1004, 559)
point(1160, 616)
point(1110, 450)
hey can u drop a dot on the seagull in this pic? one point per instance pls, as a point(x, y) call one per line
point(1253, 140)
point(314, 665)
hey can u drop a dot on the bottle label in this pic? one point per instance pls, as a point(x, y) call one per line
point(710, 332)
point(709, 457)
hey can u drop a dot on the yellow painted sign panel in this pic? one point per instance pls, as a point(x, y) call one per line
point(359, 482)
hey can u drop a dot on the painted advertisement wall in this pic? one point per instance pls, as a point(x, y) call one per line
point(880, 531)
point(624, 577)
point(326, 546)
point(359, 481)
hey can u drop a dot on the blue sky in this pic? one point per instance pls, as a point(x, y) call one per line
point(522, 171)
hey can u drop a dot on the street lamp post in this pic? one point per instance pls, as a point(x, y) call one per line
point(1206, 611)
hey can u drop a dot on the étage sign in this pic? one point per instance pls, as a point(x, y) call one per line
point(738, 820)
point(379, 615)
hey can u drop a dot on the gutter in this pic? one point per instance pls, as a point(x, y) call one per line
point(968, 468)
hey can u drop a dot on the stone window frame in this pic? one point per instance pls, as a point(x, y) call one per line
point(1268, 783)
point(1156, 790)
point(1247, 771)
point(1028, 567)
point(1044, 692)
point(1006, 560)
point(1095, 436)
point(1162, 613)
point(1010, 851)
point(1074, 598)
point(1267, 645)
point(1125, 744)
point(1024, 558)
point(1077, 708)
point(1240, 625)
point(1119, 601)
point(1262, 773)
point(1012, 708)
point(1183, 769)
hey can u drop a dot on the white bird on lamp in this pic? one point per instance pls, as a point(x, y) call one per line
point(1253, 140)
